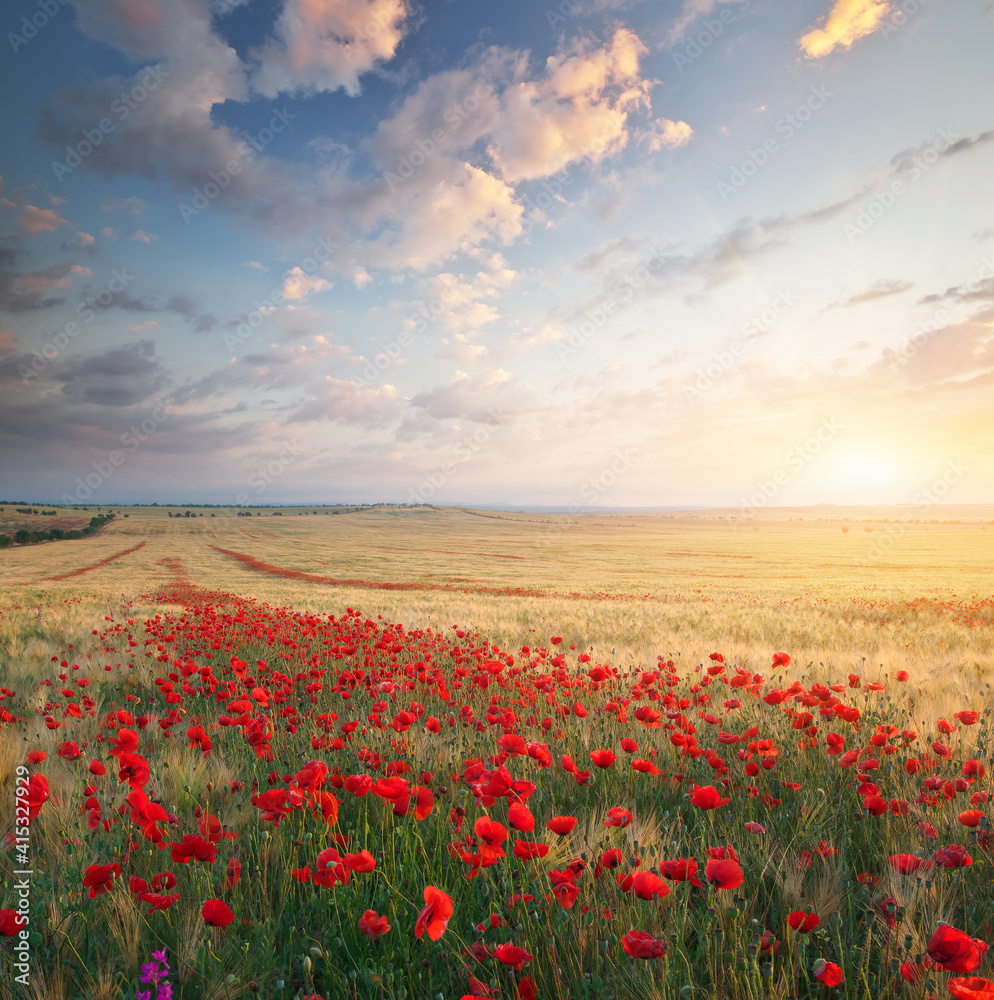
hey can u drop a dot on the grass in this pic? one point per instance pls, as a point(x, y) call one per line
point(632, 593)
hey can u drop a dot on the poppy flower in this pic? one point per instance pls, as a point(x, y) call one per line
point(803, 923)
point(512, 955)
point(971, 817)
point(724, 874)
point(756, 828)
point(216, 913)
point(525, 850)
point(519, 817)
point(680, 870)
point(971, 989)
point(491, 835)
point(603, 758)
point(37, 794)
point(618, 816)
point(361, 862)
point(828, 973)
point(10, 922)
point(36, 756)
point(905, 864)
point(434, 918)
point(953, 856)
point(561, 825)
point(640, 944)
point(373, 925)
point(707, 797)
point(645, 885)
point(527, 990)
point(234, 875)
point(954, 950)
point(629, 745)
point(100, 878)
point(156, 901)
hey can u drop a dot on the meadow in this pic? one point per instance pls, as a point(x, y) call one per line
point(389, 752)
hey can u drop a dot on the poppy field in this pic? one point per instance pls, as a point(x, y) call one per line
point(304, 791)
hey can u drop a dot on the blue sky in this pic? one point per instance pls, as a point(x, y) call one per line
point(605, 251)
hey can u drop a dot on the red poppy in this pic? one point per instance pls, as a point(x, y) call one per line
point(680, 870)
point(373, 925)
point(971, 817)
point(953, 856)
point(10, 922)
point(707, 797)
point(618, 816)
point(234, 873)
point(905, 864)
point(512, 955)
point(527, 990)
point(491, 835)
point(36, 756)
point(803, 923)
point(361, 862)
point(724, 874)
point(954, 950)
point(645, 885)
point(971, 989)
point(157, 901)
point(37, 794)
point(519, 817)
point(216, 913)
point(561, 825)
point(525, 850)
point(828, 973)
point(434, 918)
point(100, 878)
point(640, 944)
point(603, 758)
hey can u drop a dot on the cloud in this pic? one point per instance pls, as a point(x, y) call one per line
point(140, 236)
point(578, 110)
point(881, 288)
point(666, 134)
point(324, 45)
point(134, 206)
point(905, 160)
point(692, 10)
point(122, 376)
point(256, 266)
point(846, 23)
point(35, 220)
point(25, 291)
point(460, 303)
point(298, 284)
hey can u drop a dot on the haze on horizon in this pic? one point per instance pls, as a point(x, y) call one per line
point(605, 251)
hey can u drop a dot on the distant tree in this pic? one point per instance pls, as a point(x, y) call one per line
point(6, 541)
point(22, 536)
point(74, 534)
point(56, 533)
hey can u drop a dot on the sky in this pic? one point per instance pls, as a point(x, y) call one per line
point(709, 252)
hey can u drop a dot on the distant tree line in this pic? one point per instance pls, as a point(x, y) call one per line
point(25, 536)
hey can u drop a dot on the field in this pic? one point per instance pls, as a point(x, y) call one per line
point(600, 755)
